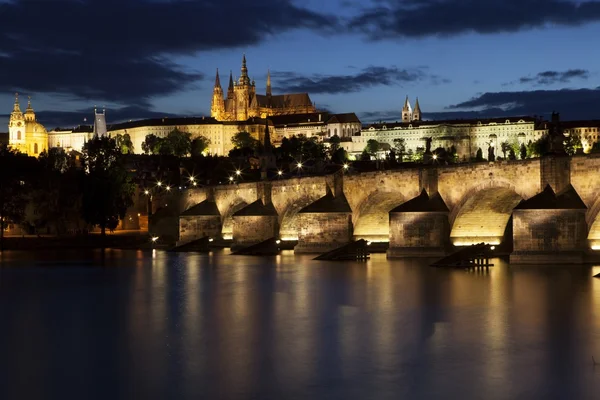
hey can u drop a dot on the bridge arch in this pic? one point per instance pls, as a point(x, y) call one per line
point(227, 216)
point(593, 223)
point(483, 213)
point(371, 216)
point(289, 218)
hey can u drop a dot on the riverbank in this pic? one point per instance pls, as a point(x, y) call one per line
point(91, 241)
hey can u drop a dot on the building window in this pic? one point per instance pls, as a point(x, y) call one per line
point(335, 131)
point(35, 148)
point(18, 135)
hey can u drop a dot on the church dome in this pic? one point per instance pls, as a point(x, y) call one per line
point(39, 128)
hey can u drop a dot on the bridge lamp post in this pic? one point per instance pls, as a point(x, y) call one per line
point(231, 179)
point(299, 166)
point(346, 166)
point(280, 173)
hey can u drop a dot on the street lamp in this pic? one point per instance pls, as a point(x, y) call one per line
point(146, 192)
point(231, 179)
point(435, 156)
point(238, 172)
point(159, 183)
point(168, 188)
point(346, 166)
point(279, 172)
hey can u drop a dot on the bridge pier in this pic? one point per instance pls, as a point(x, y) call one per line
point(550, 228)
point(201, 220)
point(256, 222)
point(419, 228)
point(326, 224)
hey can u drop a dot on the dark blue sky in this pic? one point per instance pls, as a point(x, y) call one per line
point(144, 58)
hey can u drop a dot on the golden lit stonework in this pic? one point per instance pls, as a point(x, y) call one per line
point(242, 102)
point(25, 133)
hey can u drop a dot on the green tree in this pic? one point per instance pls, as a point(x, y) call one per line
point(151, 144)
point(539, 147)
point(572, 144)
point(243, 140)
point(400, 148)
point(523, 151)
point(124, 143)
point(180, 143)
point(108, 190)
point(199, 145)
point(372, 146)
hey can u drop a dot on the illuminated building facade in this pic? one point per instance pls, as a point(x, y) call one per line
point(242, 101)
point(25, 133)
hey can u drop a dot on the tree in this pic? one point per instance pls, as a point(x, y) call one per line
point(400, 147)
point(372, 146)
point(511, 154)
point(124, 143)
point(334, 145)
point(572, 144)
point(180, 143)
point(13, 187)
point(523, 151)
point(199, 145)
point(505, 147)
point(539, 147)
point(108, 190)
point(243, 140)
point(151, 144)
point(479, 155)
point(55, 159)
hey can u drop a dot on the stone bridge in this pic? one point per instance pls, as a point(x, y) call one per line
point(540, 209)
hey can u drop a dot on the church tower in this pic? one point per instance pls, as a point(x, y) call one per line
point(406, 111)
point(269, 94)
point(416, 115)
point(217, 107)
point(16, 127)
point(242, 93)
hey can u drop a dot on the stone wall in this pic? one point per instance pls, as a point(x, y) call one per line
point(249, 230)
point(549, 236)
point(194, 227)
point(418, 234)
point(322, 232)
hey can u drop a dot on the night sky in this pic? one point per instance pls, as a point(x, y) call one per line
point(148, 58)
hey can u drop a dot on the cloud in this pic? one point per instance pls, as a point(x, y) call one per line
point(388, 19)
point(123, 50)
point(552, 77)
point(291, 82)
point(572, 104)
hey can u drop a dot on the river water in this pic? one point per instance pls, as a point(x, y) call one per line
point(142, 325)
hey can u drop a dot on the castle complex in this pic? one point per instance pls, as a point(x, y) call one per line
point(242, 101)
point(242, 109)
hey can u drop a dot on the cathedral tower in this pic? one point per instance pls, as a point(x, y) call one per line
point(217, 107)
point(416, 115)
point(16, 127)
point(406, 111)
point(242, 92)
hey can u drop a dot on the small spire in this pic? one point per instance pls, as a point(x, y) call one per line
point(16, 107)
point(217, 80)
point(268, 82)
point(406, 104)
point(244, 80)
point(417, 108)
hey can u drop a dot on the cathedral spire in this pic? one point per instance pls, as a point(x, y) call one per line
point(416, 115)
point(268, 82)
point(217, 80)
point(244, 80)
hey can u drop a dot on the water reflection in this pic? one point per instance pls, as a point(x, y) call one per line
point(122, 325)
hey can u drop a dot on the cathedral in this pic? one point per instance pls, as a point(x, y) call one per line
point(242, 101)
point(408, 114)
point(26, 134)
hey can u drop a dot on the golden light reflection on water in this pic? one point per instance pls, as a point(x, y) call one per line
point(237, 327)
